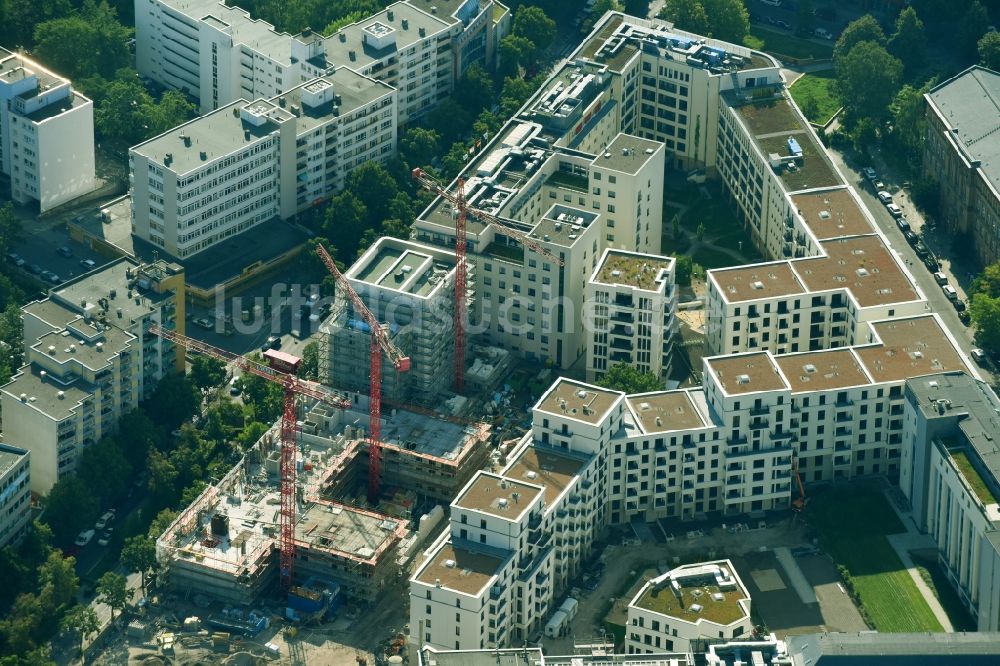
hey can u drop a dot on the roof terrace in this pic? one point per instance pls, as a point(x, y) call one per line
point(648, 272)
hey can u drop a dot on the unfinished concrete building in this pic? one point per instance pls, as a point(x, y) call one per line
point(410, 287)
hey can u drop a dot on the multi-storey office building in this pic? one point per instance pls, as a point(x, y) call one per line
point(634, 302)
point(410, 287)
point(219, 54)
point(250, 162)
point(46, 134)
point(959, 145)
point(691, 602)
point(951, 475)
point(90, 358)
point(15, 495)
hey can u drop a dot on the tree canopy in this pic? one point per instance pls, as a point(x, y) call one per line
point(687, 15)
point(624, 377)
point(532, 23)
point(989, 50)
point(869, 78)
point(909, 42)
point(864, 29)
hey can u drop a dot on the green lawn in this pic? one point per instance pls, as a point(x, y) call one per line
point(815, 95)
point(853, 522)
point(934, 575)
point(785, 44)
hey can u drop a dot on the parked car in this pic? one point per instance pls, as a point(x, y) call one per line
point(910, 237)
point(823, 33)
point(878, 185)
point(106, 537)
point(235, 388)
point(959, 305)
point(894, 210)
point(978, 355)
point(869, 173)
point(87, 264)
point(103, 521)
point(804, 551)
point(783, 24)
point(273, 342)
point(16, 259)
point(34, 269)
point(205, 323)
point(64, 251)
point(83, 538)
point(903, 223)
point(950, 292)
point(54, 279)
point(940, 278)
point(884, 197)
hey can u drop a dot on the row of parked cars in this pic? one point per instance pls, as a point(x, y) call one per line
point(102, 527)
point(49, 276)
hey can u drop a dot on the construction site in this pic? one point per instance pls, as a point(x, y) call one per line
point(224, 546)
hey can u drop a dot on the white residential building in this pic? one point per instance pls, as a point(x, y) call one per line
point(89, 359)
point(691, 602)
point(219, 54)
point(634, 302)
point(251, 162)
point(15, 496)
point(46, 134)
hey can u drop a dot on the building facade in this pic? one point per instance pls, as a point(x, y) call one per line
point(219, 54)
point(15, 496)
point(248, 163)
point(90, 359)
point(634, 301)
point(957, 157)
point(46, 134)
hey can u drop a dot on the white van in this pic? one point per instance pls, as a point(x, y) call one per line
point(950, 292)
point(554, 627)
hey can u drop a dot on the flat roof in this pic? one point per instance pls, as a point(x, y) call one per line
point(746, 373)
point(627, 154)
point(751, 283)
point(351, 38)
point(633, 269)
point(99, 283)
point(869, 647)
point(461, 570)
point(861, 264)
point(822, 370)
point(338, 528)
point(215, 134)
point(10, 457)
point(547, 467)
point(497, 495)
point(356, 91)
point(832, 213)
point(258, 34)
point(909, 348)
point(679, 592)
point(42, 393)
point(563, 225)
point(94, 352)
point(404, 266)
point(666, 411)
point(577, 400)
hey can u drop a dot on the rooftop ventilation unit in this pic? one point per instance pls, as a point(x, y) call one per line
point(450, 564)
point(757, 284)
point(742, 379)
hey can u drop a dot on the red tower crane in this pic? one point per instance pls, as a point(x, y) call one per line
point(281, 369)
point(461, 269)
point(380, 343)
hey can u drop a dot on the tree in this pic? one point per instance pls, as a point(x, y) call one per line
point(687, 15)
point(376, 188)
point(11, 229)
point(345, 20)
point(699, 233)
point(57, 582)
point(805, 20)
point(140, 434)
point(973, 27)
point(455, 160)
point(251, 432)
point(163, 475)
point(70, 507)
point(104, 468)
point(989, 50)
point(310, 361)
point(23, 17)
point(173, 402)
point(139, 555)
point(112, 589)
point(909, 42)
point(728, 19)
point(346, 219)
point(987, 283)
point(267, 399)
point(474, 90)
point(516, 52)
point(82, 619)
point(864, 29)
point(601, 7)
point(683, 270)
point(172, 110)
point(869, 79)
point(534, 25)
point(675, 226)
point(449, 119)
point(419, 146)
point(985, 312)
point(160, 524)
point(513, 95)
point(909, 121)
point(623, 377)
point(207, 372)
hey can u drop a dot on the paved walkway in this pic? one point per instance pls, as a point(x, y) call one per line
point(911, 540)
point(795, 576)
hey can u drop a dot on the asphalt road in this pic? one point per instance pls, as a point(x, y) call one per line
point(39, 247)
point(939, 303)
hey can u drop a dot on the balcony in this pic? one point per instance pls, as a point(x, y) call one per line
point(760, 411)
point(736, 441)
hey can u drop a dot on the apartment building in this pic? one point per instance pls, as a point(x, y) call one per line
point(15, 496)
point(251, 162)
point(89, 359)
point(685, 604)
point(219, 54)
point(951, 465)
point(959, 144)
point(410, 287)
point(46, 134)
point(634, 301)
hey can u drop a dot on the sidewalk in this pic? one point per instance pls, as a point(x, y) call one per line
point(914, 540)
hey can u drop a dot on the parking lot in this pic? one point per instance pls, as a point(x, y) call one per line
point(40, 252)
